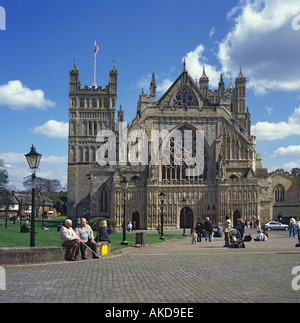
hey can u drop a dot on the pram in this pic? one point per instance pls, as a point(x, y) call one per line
point(235, 239)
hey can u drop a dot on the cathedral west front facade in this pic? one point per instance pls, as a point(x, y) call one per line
point(233, 181)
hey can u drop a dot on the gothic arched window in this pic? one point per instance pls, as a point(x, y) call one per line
point(176, 163)
point(279, 193)
point(103, 200)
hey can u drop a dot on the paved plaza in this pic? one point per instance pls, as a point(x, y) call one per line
point(173, 271)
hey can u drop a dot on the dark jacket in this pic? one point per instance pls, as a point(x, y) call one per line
point(199, 227)
point(241, 228)
point(207, 226)
point(24, 228)
point(103, 234)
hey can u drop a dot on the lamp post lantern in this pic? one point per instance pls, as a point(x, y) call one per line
point(184, 203)
point(33, 159)
point(162, 198)
point(124, 186)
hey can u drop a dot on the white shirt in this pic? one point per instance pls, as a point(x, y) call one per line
point(67, 234)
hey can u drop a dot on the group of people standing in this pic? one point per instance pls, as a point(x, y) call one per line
point(206, 228)
point(131, 227)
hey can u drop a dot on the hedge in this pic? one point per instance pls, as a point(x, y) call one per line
point(95, 222)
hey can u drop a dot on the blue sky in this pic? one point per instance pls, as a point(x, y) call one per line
point(41, 38)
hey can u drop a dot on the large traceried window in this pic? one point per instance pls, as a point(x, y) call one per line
point(185, 98)
point(175, 170)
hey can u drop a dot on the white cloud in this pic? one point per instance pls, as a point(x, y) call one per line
point(164, 86)
point(278, 130)
point(17, 96)
point(212, 32)
point(271, 131)
point(290, 165)
point(52, 167)
point(269, 110)
point(144, 82)
point(289, 156)
point(195, 61)
point(289, 152)
point(263, 41)
point(13, 158)
point(53, 129)
point(56, 160)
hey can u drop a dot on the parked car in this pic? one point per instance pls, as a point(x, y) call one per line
point(275, 225)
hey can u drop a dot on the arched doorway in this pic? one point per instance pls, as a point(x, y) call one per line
point(186, 218)
point(136, 219)
point(236, 216)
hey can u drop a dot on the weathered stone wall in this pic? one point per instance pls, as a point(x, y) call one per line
point(32, 255)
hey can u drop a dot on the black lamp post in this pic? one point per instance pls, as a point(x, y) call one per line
point(184, 203)
point(33, 159)
point(124, 185)
point(162, 198)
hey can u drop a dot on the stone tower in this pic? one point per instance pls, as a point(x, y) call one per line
point(91, 109)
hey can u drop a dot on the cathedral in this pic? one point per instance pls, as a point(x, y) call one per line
point(232, 182)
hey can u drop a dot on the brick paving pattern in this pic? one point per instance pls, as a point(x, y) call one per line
point(170, 272)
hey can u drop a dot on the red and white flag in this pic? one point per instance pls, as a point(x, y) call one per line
point(96, 48)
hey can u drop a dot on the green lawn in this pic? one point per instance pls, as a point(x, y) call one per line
point(11, 237)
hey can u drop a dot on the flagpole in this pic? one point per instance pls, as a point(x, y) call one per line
point(94, 69)
point(95, 54)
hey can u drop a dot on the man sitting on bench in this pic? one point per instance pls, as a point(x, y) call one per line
point(86, 234)
point(69, 240)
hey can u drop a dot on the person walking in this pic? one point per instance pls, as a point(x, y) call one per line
point(208, 229)
point(199, 229)
point(241, 227)
point(292, 227)
point(226, 228)
point(298, 226)
point(129, 227)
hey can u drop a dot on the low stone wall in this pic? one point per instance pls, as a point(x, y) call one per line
point(33, 255)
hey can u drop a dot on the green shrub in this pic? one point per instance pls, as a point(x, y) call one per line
point(95, 223)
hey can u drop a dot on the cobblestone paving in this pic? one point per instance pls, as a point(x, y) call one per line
point(170, 272)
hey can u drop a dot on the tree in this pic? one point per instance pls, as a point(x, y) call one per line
point(43, 185)
point(44, 188)
point(60, 204)
point(4, 192)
